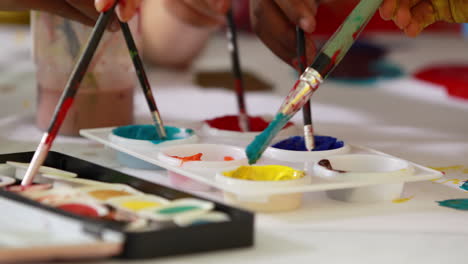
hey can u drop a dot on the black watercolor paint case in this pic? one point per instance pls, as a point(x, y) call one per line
point(236, 233)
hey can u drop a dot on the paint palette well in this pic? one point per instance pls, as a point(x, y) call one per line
point(420, 173)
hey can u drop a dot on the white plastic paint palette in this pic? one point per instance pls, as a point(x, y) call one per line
point(420, 173)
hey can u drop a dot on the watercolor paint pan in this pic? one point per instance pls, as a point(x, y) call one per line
point(421, 173)
point(236, 233)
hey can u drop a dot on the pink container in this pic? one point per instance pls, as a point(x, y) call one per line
point(105, 97)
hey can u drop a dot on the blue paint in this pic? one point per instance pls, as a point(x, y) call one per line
point(297, 143)
point(256, 148)
point(148, 132)
point(464, 186)
point(459, 204)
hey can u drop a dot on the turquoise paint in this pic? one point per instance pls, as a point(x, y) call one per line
point(177, 209)
point(260, 143)
point(459, 204)
point(148, 132)
point(464, 186)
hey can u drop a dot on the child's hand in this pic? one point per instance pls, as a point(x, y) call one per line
point(275, 22)
point(84, 11)
point(200, 13)
point(125, 9)
point(412, 16)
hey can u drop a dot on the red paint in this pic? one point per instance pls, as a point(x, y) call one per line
point(79, 209)
point(58, 122)
point(107, 7)
point(355, 34)
point(228, 158)
point(231, 123)
point(196, 157)
point(332, 62)
point(238, 86)
point(453, 77)
point(32, 187)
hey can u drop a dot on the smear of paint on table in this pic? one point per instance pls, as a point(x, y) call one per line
point(79, 209)
point(148, 132)
point(464, 186)
point(450, 76)
point(231, 123)
point(459, 204)
point(297, 143)
point(107, 194)
point(177, 209)
point(402, 200)
point(196, 157)
point(228, 158)
point(265, 173)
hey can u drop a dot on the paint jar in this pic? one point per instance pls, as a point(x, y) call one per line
point(143, 138)
point(364, 168)
point(292, 150)
point(105, 96)
point(204, 160)
point(226, 129)
point(242, 192)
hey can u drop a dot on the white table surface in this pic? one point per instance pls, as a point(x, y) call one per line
point(402, 117)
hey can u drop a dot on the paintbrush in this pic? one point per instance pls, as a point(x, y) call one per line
point(306, 109)
point(237, 73)
point(145, 85)
point(68, 95)
point(329, 56)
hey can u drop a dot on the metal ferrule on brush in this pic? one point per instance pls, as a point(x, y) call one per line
point(312, 78)
point(308, 82)
point(159, 128)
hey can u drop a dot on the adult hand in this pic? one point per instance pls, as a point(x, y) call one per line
point(274, 21)
point(199, 13)
point(412, 16)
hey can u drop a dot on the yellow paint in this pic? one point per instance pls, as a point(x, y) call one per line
point(402, 200)
point(265, 173)
point(454, 181)
point(456, 167)
point(465, 170)
point(107, 194)
point(26, 104)
point(136, 205)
